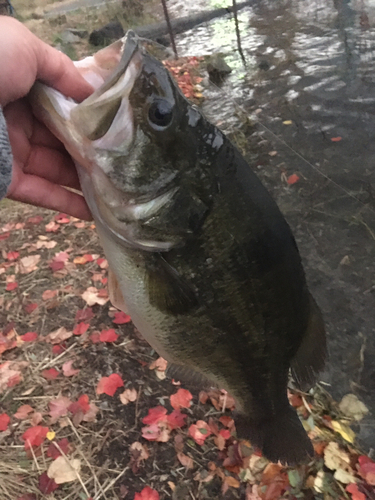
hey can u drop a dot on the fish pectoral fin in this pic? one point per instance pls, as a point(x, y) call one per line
point(188, 375)
point(168, 292)
point(312, 353)
point(114, 292)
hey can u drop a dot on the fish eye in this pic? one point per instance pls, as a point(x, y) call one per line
point(160, 114)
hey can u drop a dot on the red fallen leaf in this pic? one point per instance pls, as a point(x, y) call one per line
point(108, 335)
point(47, 485)
point(68, 369)
point(29, 337)
point(29, 308)
point(11, 286)
point(199, 431)
point(95, 337)
point(13, 255)
point(81, 328)
point(156, 432)
point(147, 494)
point(182, 399)
point(225, 433)
point(356, 494)
point(56, 265)
point(59, 408)
point(58, 348)
point(84, 314)
point(54, 452)
point(16, 379)
point(50, 374)
point(4, 421)
point(336, 139)
point(157, 414)
point(226, 421)
point(176, 419)
point(109, 385)
point(49, 294)
point(35, 220)
point(292, 179)
point(367, 469)
point(82, 404)
point(4, 236)
point(62, 218)
point(121, 318)
point(295, 399)
point(28, 496)
point(34, 436)
point(23, 412)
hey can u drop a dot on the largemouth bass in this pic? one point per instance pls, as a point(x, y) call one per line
point(201, 257)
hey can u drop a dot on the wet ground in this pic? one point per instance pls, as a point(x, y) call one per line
point(310, 64)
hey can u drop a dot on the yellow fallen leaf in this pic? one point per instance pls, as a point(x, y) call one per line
point(63, 470)
point(287, 122)
point(50, 435)
point(344, 430)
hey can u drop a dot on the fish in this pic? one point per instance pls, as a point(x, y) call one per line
point(200, 255)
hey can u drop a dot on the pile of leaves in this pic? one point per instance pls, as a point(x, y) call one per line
point(186, 72)
point(86, 411)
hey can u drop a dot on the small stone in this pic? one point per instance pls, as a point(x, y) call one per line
point(68, 37)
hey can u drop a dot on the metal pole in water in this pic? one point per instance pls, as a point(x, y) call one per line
point(166, 15)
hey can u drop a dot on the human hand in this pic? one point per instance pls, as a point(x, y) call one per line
point(41, 165)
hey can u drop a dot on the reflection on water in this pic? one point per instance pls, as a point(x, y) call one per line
point(309, 84)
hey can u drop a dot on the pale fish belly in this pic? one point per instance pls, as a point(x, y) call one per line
point(129, 270)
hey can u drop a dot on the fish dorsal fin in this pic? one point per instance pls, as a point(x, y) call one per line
point(188, 375)
point(114, 292)
point(168, 291)
point(312, 353)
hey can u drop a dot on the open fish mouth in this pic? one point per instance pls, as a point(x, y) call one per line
point(101, 128)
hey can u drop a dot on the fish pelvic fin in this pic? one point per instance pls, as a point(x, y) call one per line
point(189, 376)
point(281, 438)
point(115, 294)
point(312, 353)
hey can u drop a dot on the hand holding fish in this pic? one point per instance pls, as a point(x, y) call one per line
point(41, 165)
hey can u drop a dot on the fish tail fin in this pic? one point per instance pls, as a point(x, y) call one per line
point(311, 355)
point(281, 438)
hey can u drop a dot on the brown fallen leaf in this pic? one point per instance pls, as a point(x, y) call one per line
point(185, 460)
point(63, 470)
point(129, 395)
point(68, 369)
point(58, 335)
point(92, 296)
point(28, 264)
point(10, 373)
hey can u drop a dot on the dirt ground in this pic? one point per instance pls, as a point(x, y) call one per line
point(81, 389)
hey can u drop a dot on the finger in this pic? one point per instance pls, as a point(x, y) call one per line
point(53, 165)
point(58, 71)
point(42, 193)
point(42, 136)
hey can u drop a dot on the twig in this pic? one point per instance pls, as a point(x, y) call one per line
point(112, 483)
point(85, 459)
point(238, 32)
point(76, 472)
point(170, 31)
